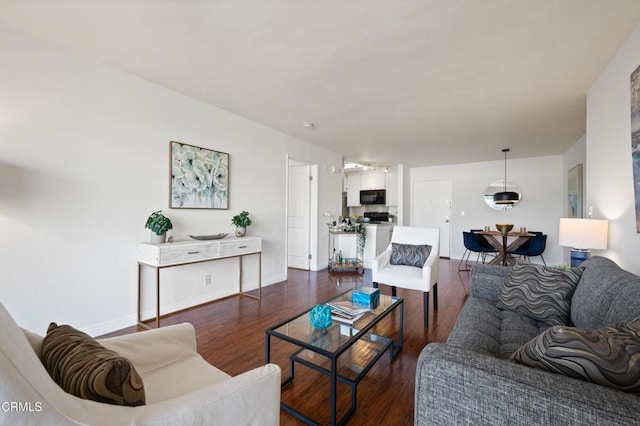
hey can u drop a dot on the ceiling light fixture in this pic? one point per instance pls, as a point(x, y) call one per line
point(308, 125)
point(505, 197)
point(351, 166)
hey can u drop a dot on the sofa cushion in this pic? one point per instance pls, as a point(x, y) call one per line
point(607, 294)
point(609, 356)
point(482, 327)
point(84, 368)
point(541, 292)
point(409, 254)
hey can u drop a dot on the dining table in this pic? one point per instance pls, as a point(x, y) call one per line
point(504, 247)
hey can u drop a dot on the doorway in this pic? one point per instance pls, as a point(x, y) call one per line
point(431, 207)
point(301, 194)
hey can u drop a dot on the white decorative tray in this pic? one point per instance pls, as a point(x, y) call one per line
point(209, 237)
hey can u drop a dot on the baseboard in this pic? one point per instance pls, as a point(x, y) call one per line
point(131, 320)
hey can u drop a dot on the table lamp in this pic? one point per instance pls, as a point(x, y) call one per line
point(582, 235)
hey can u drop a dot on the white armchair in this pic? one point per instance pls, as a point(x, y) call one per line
point(424, 279)
point(180, 386)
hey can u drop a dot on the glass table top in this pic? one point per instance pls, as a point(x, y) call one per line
point(338, 334)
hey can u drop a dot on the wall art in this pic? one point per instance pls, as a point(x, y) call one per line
point(199, 177)
point(635, 140)
point(574, 192)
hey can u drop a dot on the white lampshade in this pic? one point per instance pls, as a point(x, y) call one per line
point(583, 233)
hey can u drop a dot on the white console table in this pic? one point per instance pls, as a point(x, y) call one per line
point(159, 256)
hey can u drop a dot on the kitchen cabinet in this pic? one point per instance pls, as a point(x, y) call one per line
point(353, 186)
point(373, 179)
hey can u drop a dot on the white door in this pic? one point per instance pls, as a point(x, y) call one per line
point(299, 219)
point(431, 207)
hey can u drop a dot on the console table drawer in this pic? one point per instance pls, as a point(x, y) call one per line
point(168, 254)
point(240, 246)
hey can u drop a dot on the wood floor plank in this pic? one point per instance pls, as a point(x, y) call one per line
point(231, 336)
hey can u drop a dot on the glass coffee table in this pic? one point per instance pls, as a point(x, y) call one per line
point(343, 352)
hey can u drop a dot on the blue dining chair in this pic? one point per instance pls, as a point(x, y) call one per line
point(474, 243)
point(532, 248)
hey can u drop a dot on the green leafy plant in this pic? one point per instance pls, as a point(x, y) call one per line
point(158, 223)
point(241, 220)
point(362, 240)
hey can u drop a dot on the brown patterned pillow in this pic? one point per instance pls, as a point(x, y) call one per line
point(609, 356)
point(84, 368)
point(540, 292)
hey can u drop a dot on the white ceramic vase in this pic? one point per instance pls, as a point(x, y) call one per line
point(158, 239)
point(241, 231)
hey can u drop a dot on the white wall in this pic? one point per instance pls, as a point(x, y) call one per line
point(609, 169)
point(84, 160)
point(540, 208)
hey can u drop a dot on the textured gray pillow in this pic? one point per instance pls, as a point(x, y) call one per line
point(409, 254)
point(541, 292)
point(608, 356)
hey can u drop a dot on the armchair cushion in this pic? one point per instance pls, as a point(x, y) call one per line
point(409, 254)
point(609, 356)
point(84, 368)
point(541, 292)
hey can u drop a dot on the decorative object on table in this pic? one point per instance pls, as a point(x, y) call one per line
point(159, 224)
point(582, 235)
point(504, 228)
point(635, 139)
point(199, 177)
point(333, 224)
point(346, 311)
point(320, 316)
point(574, 192)
point(209, 237)
point(366, 296)
point(241, 221)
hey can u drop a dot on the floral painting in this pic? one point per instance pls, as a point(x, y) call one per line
point(199, 177)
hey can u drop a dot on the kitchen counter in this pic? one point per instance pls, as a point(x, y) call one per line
point(378, 239)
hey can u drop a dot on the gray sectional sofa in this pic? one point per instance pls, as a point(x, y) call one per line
point(471, 380)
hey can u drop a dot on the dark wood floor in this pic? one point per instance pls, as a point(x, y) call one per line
point(230, 335)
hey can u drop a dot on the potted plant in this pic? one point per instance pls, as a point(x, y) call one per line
point(241, 221)
point(159, 224)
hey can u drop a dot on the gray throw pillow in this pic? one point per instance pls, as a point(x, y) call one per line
point(609, 356)
point(409, 254)
point(541, 292)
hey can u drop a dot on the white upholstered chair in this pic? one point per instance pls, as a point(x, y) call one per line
point(424, 279)
point(180, 386)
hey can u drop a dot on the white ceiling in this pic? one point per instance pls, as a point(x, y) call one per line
point(420, 82)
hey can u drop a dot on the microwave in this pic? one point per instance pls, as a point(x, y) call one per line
point(373, 196)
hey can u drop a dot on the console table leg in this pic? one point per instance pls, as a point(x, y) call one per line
point(157, 297)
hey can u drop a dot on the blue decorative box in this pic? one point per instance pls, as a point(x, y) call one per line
point(367, 296)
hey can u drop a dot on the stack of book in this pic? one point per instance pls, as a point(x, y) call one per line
point(347, 312)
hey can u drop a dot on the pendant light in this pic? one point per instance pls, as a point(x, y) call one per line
point(505, 197)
